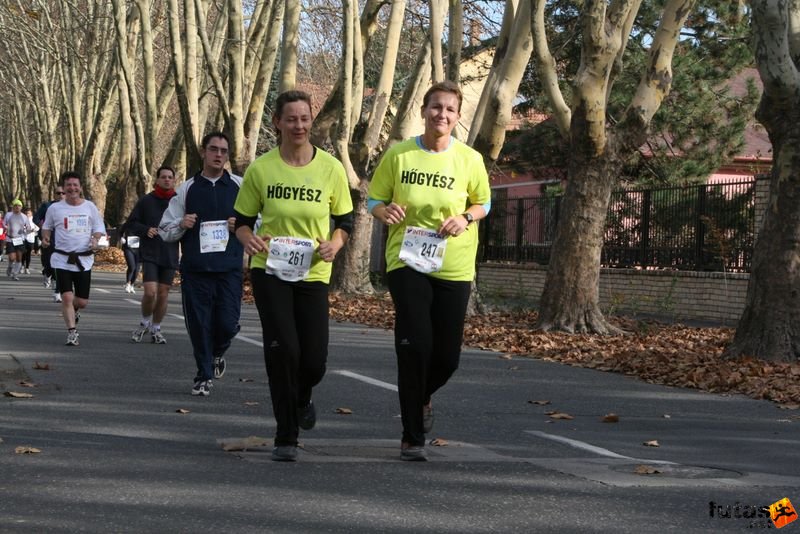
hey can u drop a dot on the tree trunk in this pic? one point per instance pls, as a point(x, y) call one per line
point(351, 269)
point(571, 296)
point(770, 324)
point(291, 37)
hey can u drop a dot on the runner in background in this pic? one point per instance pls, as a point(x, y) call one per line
point(159, 258)
point(77, 227)
point(201, 217)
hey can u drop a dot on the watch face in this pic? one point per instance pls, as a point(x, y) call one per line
point(468, 216)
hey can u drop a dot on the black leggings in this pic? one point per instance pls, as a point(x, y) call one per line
point(294, 321)
point(132, 261)
point(428, 330)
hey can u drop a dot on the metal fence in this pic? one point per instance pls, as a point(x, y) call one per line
point(704, 227)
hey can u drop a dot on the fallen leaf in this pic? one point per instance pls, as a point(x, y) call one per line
point(18, 395)
point(789, 406)
point(439, 442)
point(242, 444)
point(182, 411)
point(560, 415)
point(646, 470)
point(343, 411)
point(245, 380)
point(26, 384)
point(27, 450)
point(251, 403)
point(651, 443)
point(611, 418)
point(539, 402)
point(41, 366)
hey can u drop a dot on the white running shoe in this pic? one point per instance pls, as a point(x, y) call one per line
point(56, 297)
point(136, 335)
point(72, 338)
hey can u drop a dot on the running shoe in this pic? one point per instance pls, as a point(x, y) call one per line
point(158, 338)
point(219, 366)
point(284, 453)
point(136, 335)
point(56, 297)
point(15, 278)
point(46, 281)
point(201, 388)
point(413, 453)
point(72, 338)
point(307, 416)
point(77, 317)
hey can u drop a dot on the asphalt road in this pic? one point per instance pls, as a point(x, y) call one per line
point(117, 456)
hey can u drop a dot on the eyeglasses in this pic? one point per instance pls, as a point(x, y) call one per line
point(59, 192)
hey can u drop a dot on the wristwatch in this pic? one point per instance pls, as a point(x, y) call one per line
point(468, 216)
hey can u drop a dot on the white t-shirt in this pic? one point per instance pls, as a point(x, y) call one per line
point(16, 224)
point(74, 226)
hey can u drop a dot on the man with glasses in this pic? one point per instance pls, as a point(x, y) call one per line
point(47, 272)
point(201, 217)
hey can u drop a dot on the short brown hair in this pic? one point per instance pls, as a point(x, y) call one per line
point(67, 175)
point(445, 87)
point(287, 97)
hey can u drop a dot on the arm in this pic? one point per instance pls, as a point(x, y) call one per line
point(175, 220)
point(252, 243)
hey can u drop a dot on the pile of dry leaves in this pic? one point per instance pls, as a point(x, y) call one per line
point(670, 354)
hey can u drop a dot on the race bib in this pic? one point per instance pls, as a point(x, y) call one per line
point(77, 224)
point(17, 241)
point(214, 236)
point(133, 241)
point(290, 258)
point(423, 249)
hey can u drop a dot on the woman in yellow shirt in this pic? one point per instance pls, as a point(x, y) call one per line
point(296, 189)
point(429, 190)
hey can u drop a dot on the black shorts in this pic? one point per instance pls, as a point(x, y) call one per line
point(152, 272)
point(74, 281)
point(11, 249)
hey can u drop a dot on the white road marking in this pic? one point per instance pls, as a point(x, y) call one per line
point(368, 380)
point(249, 340)
point(582, 445)
point(133, 301)
point(101, 290)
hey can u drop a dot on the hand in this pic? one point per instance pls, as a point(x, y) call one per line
point(392, 214)
point(453, 226)
point(327, 250)
point(256, 244)
point(232, 224)
point(189, 220)
point(152, 232)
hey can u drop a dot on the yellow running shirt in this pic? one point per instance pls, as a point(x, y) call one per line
point(295, 201)
point(432, 186)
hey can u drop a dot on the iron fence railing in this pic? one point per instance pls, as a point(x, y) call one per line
point(707, 227)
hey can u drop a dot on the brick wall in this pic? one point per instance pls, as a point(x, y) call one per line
point(675, 295)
